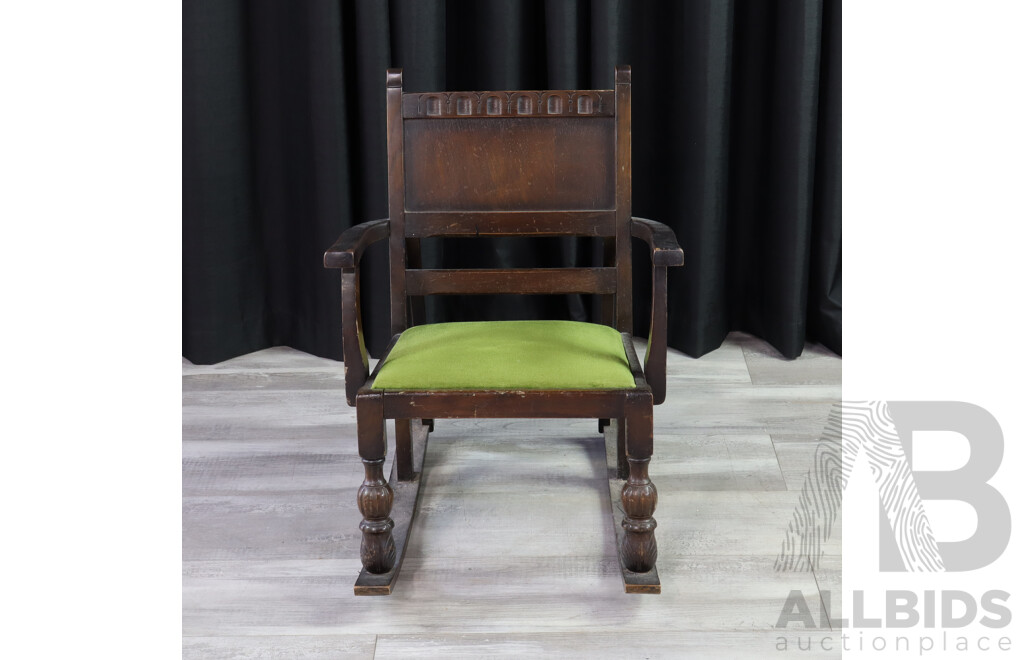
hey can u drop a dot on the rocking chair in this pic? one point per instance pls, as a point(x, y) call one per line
point(518, 163)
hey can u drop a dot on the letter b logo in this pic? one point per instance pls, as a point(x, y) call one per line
point(967, 484)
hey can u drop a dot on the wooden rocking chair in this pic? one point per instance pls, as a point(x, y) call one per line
point(521, 163)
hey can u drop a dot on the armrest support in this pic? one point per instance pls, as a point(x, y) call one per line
point(665, 252)
point(349, 247)
point(345, 254)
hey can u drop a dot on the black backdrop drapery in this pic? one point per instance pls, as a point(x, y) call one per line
point(736, 145)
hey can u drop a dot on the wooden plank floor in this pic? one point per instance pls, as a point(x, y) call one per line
point(512, 552)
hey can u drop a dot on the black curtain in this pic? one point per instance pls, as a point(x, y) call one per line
point(736, 145)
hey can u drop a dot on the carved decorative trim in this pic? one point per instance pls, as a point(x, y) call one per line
point(569, 103)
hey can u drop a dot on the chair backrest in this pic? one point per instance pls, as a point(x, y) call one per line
point(516, 163)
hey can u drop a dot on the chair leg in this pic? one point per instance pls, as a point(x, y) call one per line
point(403, 450)
point(614, 431)
point(377, 550)
point(388, 507)
point(620, 446)
point(639, 496)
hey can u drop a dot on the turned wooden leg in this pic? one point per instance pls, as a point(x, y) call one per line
point(377, 550)
point(639, 496)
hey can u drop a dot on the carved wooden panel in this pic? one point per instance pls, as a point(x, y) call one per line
point(570, 103)
point(509, 164)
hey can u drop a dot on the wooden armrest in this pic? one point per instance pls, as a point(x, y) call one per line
point(345, 254)
point(347, 250)
point(665, 251)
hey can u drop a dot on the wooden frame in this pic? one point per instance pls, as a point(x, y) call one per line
point(557, 164)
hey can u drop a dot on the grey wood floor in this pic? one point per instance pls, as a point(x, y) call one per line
point(512, 551)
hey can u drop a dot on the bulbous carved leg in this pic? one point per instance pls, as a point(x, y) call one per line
point(639, 498)
point(377, 550)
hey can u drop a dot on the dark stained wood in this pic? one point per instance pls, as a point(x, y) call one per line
point(520, 163)
point(635, 583)
point(375, 496)
point(403, 511)
point(615, 439)
point(634, 361)
point(345, 254)
point(608, 302)
point(408, 433)
point(414, 258)
point(623, 200)
point(519, 223)
point(657, 342)
point(510, 280)
point(639, 549)
point(523, 103)
point(403, 450)
point(396, 200)
point(665, 251)
point(353, 346)
point(474, 164)
point(442, 404)
point(347, 250)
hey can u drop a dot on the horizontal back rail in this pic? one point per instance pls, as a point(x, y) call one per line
point(514, 223)
point(420, 282)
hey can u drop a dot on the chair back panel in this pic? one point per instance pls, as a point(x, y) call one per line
point(509, 164)
point(518, 163)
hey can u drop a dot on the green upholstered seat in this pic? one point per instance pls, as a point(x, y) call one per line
point(507, 355)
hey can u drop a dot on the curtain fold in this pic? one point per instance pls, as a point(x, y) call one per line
point(736, 145)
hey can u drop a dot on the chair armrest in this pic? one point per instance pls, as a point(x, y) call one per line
point(345, 254)
point(665, 252)
point(347, 250)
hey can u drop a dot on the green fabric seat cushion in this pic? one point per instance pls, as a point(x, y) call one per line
point(506, 355)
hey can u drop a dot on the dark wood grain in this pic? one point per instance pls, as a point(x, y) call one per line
point(408, 434)
point(396, 200)
point(406, 496)
point(518, 223)
point(347, 250)
point(639, 549)
point(623, 200)
point(353, 345)
point(665, 251)
point(473, 164)
point(375, 496)
point(441, 404)
point(414, 259)
point(657, 341)
point(509, 280)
